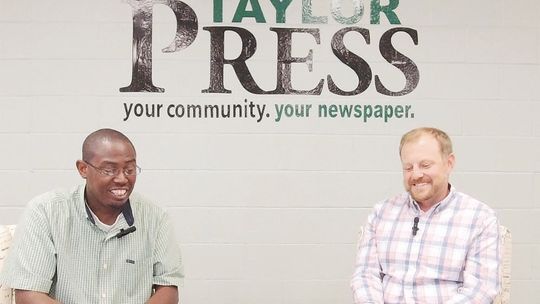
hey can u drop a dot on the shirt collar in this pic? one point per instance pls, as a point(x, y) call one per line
point(440, 206)
point(127, 212)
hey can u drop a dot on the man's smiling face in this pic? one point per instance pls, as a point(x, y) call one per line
point(426, 170)
point(103, 192)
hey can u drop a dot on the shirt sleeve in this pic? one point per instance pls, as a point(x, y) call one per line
point(168, 267)
point(367, 278)
point(31, 263)
point(481, 280)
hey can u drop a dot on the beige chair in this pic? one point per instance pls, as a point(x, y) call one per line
point(7, 295)
point(504, 271)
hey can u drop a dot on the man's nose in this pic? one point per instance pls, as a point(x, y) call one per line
point(120, 177)
point(417, 173)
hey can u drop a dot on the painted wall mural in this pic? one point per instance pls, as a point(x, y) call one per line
point(241, 34)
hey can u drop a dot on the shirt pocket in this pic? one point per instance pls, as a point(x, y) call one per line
point(136, 276)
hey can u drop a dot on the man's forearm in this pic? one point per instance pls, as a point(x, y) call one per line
point(164, 295)
point(33, 297)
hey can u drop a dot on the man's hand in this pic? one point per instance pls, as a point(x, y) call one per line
point(164, 295)
point(33, 297)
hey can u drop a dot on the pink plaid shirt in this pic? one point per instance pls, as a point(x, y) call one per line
point(453, 258)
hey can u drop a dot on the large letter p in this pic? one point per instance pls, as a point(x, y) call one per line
point(186, 31)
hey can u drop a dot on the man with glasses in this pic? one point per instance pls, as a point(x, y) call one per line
point(430, 244)
point(99, 243)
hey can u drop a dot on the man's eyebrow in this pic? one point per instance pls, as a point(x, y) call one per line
point(111, 163)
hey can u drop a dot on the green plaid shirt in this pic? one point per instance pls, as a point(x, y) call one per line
point(59, 250)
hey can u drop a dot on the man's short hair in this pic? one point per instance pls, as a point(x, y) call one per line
point(445, 144)
point(97, 137)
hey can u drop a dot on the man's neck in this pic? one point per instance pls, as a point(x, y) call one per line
point(107, 218)
point(106, 215)
point(426, 206)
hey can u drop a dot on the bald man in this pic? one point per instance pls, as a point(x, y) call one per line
point(98, 243)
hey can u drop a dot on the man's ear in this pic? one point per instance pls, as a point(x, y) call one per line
point(82, 167)
point(451, 161)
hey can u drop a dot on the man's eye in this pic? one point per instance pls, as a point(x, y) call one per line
point(109, 171)
point(130, 170)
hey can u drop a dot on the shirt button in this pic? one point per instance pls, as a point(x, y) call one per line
point(103, 295)
point(104, 266)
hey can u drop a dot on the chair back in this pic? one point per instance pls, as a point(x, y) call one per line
point(7, 295)
point(506, 266)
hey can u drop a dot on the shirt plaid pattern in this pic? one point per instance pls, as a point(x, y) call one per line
point(58, 249)
point(453, 258)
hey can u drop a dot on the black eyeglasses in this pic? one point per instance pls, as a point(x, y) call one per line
point(130, 170)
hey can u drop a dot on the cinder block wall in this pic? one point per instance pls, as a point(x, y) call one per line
point(268, 212)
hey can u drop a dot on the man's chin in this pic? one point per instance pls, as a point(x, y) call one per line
point(118, 202)
point(420, 197)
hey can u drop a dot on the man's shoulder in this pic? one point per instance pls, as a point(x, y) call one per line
point(54, 207)
point(396, 201)
point(54, 198)
point(468, 202)
point(144, 205)
point(147, 214)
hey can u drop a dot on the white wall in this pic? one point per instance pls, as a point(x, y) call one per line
point(268, 212)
